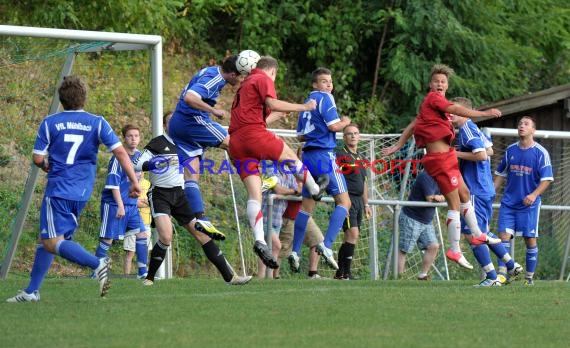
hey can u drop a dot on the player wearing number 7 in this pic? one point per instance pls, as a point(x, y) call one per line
point(70, 139)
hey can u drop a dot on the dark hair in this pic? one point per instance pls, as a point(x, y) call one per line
point(530, 118)
point(167, 114)
point(318, 72)
point(127, 128)
point(72, 93)
point(463, 101)
point(267, 62)
point(229, 65)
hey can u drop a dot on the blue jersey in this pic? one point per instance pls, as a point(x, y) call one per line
point(313, 125)
point(206, 84)
point(71, 141)
point(477, 174)
point(523, 169)
point(117, 179)
point(423, 186)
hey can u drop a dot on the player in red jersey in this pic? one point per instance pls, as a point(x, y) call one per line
point(432, 129)
point(251, 142)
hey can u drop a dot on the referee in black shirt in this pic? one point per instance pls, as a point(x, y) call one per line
point(352, 165)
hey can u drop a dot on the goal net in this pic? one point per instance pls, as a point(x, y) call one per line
point(33, 62)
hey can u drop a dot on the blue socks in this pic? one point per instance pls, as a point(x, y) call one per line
point(483, 257)
point(42, 262)
point(300, 229)
point(335, 224)
point(141, 250)
point(531, 259)
point(102, 249)
point(74, 252)
point(194, 196)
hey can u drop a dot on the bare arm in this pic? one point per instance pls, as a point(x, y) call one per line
point(125, 162)
point(120, 206)
point(406, 134)
point(498, 182)
point(275, 116)
point(460, 110)
point(280, 105)
point(470, 156)
point(40, 161)
point(367, 209)
point(196, 102)
point(531, 197)
point(339, 126)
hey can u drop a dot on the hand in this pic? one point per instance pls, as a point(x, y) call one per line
point(120, 211)
point(529, 200)
point(134, 190)
point(346, 119)
point(310, 105)
point(387, 151)
point(45, 167)
point(494, 112)
point(368, 211)
point(219, 113)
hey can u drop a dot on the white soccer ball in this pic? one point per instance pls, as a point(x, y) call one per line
point(246, 61)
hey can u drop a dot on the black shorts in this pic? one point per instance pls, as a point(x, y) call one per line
point(170, 201)
point(355, 213)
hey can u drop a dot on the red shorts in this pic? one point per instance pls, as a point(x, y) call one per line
point(443, 167)
point(248, 147)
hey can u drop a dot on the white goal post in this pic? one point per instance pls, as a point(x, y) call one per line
point(108, 42)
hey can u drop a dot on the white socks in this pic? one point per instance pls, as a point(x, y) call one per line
point(255, 219)
point(468, 213)
point(453, 230)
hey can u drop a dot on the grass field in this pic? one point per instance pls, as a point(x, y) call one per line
point(285, 313)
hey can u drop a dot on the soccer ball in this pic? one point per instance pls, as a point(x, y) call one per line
point(246, 61)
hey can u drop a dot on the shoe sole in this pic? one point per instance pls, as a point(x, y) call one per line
point(269, 262)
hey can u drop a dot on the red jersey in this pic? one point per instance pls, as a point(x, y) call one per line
point(248, 108)
point(432, 122)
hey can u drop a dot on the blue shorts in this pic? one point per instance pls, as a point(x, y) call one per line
point(194, 134)
point(59, 216)
point(483, 211)
point(324, 162)
point(114, 228)
point(519, 222)
point(413, 232)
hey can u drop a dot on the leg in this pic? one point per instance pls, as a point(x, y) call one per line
point(429, 257)
point(158, 252)
point(127, 262)
point(141, 250)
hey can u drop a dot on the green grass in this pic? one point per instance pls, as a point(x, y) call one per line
point(285, 313)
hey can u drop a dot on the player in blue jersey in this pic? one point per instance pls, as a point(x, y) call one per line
point(473, 151)
point(527, 169)
point(193, 131)
point(317, 128)
point(66, 148)
point(120, 215)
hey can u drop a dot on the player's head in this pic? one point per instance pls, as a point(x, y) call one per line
point(322, 80)
point(230, 71)
point(131, 135)
point(439, 78)
point(166, 119)
point(269, 65)
point(72, 93)
point(526, 126)
point(460, 120)
point(351, 134)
